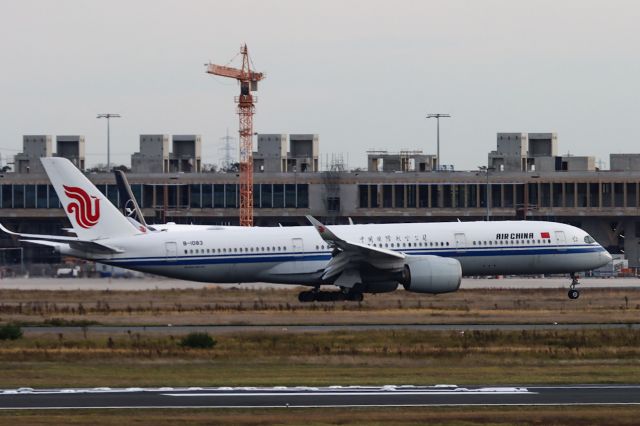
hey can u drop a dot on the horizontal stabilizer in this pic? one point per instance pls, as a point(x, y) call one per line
point(73, 242)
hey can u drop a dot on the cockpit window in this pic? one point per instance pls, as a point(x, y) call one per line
point(589, 239)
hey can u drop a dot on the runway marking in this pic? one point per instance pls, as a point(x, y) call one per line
point(191, 407)
point(347, 393)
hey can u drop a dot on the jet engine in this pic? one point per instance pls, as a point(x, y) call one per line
point(431, 274)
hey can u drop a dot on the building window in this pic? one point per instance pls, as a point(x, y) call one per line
point(266, 195)
point(363, 195)
point(18, 196)
point(423, 196)
point(399, 204)
point(333, 204)
point(278, 195)
point(41, 197)
point(218, 196)
point(196, 192)
point(411, 196)
point(303, 196)
point(632, 200)
point(6, 201)
point(30, 196)
point(207, 195)
point(290, 196)
point(230, 196)
point(373, 192)
point(387, 196)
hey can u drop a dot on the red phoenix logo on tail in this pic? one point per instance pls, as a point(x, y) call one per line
point(86, 213)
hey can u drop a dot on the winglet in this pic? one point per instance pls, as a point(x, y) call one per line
point(324, 232)
point(2, 228)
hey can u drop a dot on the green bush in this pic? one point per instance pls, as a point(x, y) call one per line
point(10, 332)
point(198, 341)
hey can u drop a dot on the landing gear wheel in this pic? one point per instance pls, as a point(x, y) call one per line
point(307, 296)
point(573, 293)
point(355, 297)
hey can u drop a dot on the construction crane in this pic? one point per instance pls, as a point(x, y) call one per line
point(248, 80)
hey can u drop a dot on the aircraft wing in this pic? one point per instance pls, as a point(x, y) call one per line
point(349, 255)
point(55, 240)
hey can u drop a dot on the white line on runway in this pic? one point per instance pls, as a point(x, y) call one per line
point(192, 407)
point(347, 393)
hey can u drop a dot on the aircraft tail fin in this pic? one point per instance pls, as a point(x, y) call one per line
point(128, 203)
point(91, 213)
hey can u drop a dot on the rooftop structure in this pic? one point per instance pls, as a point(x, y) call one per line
point(529, 152)
point(280, 152)
point(403, 161)
point(36, 146)
point(187, 154)
point(72, 148)
point(33, 147)
point(155, 157)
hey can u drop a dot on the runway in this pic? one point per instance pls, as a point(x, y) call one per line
point(334, 396)
point(321, 328)
point(142, 284)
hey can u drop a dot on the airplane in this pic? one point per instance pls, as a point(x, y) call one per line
point(426, 258)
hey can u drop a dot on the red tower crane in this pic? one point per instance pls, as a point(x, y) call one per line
point(248, 80)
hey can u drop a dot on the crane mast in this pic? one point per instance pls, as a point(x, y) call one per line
point(248, 80)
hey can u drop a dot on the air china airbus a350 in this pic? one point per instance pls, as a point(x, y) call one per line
point(422, 257)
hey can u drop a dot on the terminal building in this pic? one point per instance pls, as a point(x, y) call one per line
point(516, 186)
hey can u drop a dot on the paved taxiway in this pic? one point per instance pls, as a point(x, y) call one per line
point(221, 329)
point(139, 284)
point(335, 396)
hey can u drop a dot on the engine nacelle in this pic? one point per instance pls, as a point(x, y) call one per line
point(431, 274)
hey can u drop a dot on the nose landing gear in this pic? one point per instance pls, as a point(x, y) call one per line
point(573, 292)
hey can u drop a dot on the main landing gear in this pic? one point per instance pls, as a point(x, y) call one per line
point(316, 295)
point(573, 292)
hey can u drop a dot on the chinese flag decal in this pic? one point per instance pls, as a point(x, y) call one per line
point(545, 235)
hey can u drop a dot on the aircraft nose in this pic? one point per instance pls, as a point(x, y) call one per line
point(606, 256)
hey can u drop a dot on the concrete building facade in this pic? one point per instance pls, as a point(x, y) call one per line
point(531, 152)
point(33, 148)
point(280, 152)
point(153, 156)
point(72, 148)
point(186, 155)
point(403, 161)
point(624, 162)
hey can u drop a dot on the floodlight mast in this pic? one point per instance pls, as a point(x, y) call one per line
point(108, 116)
point(437, 116)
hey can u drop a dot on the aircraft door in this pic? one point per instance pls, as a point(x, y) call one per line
point(297, 245)
point(461, 241)
point(170, 250)
point(561, 240)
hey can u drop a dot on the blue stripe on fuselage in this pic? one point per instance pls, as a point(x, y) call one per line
point(319, 256)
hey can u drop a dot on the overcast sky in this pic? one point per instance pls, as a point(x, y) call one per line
point(362, 74)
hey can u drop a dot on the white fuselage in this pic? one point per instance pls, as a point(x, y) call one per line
point(297, 255)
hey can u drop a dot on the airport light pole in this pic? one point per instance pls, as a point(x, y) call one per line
point(437, 116)
point(108, 116)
